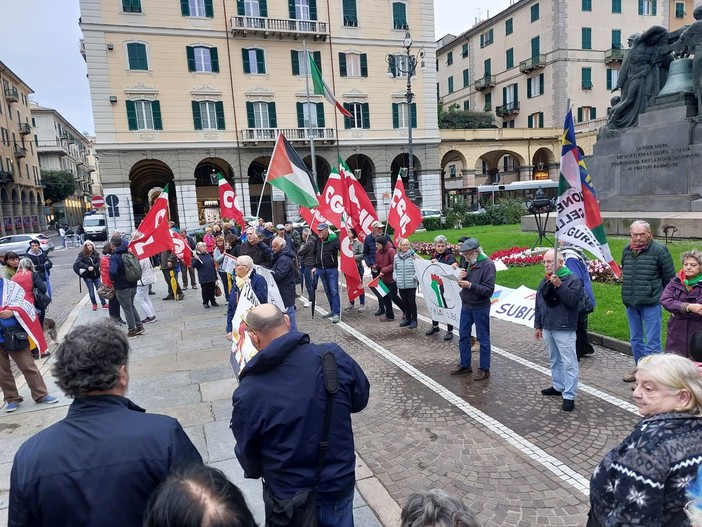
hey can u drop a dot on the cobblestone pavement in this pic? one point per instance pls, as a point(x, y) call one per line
point(508, 451)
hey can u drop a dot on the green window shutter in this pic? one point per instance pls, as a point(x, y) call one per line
point(586, 74)
point(509, 58)
point(641, 7)
point(347, 120)
point(399, 15)
point(616, 38)
point(534, 12)
point(300, 115)
point(131, 116)
point(413, 114)
point(272, 119)
point(541, 119)
point(214, 60)
point(609, 79)
point(342, 64)
point(586, 34)
point(263, 7)
point(185, 7)
point(291, 9)
point(653, 12)
point(366, 115)
point(320, 115)
point(616, 6)
point(482, 40)
point(197, 117)
point(136, 54)
point(156, 111)
point(529, 81)
point(261, 61)
point(541, 83)
point(219, 111)
point(250, 115)
point(391, 65)
point(190, 53)
point(535, 47)
point(530, 122)
point(593, 113)
point(587, 5)
point(295, 61)
point(313, 9)
point(364, 65)
point(509, 26)
point(504, 95)
point(240, 9)
point(580, 115)
point(209, 9)
point(488, 101)
point(516, 94)
point(245, 59)
point(450, 84)
point(395, 115)
point(466, 78)
point(349, 12)
point(488, 67)
point(317, 58)
point(466, 106)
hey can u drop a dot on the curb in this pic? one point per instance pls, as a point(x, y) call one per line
point(621, 346)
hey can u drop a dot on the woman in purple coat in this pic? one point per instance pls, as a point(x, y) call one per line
point(683, 298)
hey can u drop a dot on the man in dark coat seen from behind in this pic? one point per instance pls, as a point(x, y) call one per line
point(100, 464)
point(278, 414)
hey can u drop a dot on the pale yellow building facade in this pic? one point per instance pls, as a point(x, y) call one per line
point(21, 197)
point(182, 90)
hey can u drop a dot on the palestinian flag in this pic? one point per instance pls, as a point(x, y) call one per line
point(578, 220)
point(378, 286)
point(289, 173)
point(321, 87)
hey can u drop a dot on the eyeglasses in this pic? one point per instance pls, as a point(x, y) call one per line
point(248, 328)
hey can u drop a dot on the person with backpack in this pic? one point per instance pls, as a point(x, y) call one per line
point(87, 267)
point(124, 278)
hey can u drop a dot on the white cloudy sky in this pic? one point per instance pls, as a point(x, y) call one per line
point(39, 42)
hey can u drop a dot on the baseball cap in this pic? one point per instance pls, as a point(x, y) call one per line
point(322, 226)
point(377, 223)
point(280, 226)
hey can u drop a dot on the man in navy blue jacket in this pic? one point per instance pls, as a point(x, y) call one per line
point(283, 271)
point(278, 412)
point(100, 464)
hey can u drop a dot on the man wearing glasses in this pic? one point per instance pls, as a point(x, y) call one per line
point(278, 414)
point(647, 267)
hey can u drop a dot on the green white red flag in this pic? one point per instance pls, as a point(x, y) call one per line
point(289, 173)
point(321, 87)
point(578, 219)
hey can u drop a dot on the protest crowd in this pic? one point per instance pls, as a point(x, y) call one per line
point(283, 417)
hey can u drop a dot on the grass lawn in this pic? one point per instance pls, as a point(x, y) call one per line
point(609, 317)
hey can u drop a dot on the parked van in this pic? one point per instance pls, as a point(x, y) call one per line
point(95, 226)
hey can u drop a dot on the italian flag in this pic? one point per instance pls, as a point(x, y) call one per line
point(289, 173)
point(378, 286)
point(321, 87)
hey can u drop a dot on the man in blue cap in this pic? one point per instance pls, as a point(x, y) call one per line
point(477, 281)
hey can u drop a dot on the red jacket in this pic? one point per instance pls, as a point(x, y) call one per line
point(384, 260)
point(105, 270)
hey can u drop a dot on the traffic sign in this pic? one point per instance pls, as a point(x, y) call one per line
point(97, 201)
point(112, 200)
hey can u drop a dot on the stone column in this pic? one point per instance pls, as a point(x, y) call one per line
point(381, 184)
point(526, 172)
point(187, 205)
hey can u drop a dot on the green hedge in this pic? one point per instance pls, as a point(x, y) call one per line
point(506, 212)
point(432, 224)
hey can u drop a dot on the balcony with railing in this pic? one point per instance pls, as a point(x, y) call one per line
point(25, 129)
point(20, 151)
point(614, 55)
point(269, 135)
point(283, 27)
point(510, 108)
point(534, 63)
point(53, 146)
point(488, 81)
point(11, 94)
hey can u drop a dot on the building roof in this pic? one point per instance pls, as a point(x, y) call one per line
point(7, 71)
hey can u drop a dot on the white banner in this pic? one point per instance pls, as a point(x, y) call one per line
point(439, 283)
point(273, 293)
point(517, 307)
point(228, 264)
point(242, 348)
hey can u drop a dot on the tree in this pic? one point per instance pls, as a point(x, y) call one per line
point(58, 185)
point(458, 119)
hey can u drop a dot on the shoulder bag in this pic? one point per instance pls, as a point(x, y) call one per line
point(16, 338)
point(106, 292)
point(301, 509)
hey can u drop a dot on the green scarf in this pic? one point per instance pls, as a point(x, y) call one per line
point(480, 258)
point(563, 272)
point(689, 284)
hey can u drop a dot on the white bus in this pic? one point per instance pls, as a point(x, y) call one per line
point(519, 190)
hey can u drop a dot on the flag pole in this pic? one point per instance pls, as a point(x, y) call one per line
point(308, 126)
point(555, 230)
point(260, 200)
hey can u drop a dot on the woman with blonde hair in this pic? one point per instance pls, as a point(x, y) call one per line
point(643, 480)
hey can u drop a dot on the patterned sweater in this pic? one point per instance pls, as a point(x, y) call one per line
point(643, 480)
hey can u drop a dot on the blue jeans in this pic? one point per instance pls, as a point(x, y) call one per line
point(330, 281)
point(564, 361)
point(310, 282)
point(338, 514)
point(290, 311)
point(481, 319)
point(92, 284)
point(645, 330)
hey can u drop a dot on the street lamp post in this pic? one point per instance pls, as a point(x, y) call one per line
point(409, 68)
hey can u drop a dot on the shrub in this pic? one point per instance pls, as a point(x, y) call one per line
point(432, 224)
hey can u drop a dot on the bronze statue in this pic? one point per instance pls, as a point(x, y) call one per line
point(690, 43)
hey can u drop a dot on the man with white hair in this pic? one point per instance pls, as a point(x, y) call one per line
point(647, 267)
point(556, 320)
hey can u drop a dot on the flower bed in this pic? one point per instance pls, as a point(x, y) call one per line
point(518, 256)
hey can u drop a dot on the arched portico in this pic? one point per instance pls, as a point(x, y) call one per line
point(144, 176)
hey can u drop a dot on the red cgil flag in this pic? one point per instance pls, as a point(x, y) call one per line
point(313, 217)
point(354, 282)
point(404, 216)
point(228, 204)
point(359, 208)
point(152, 235)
